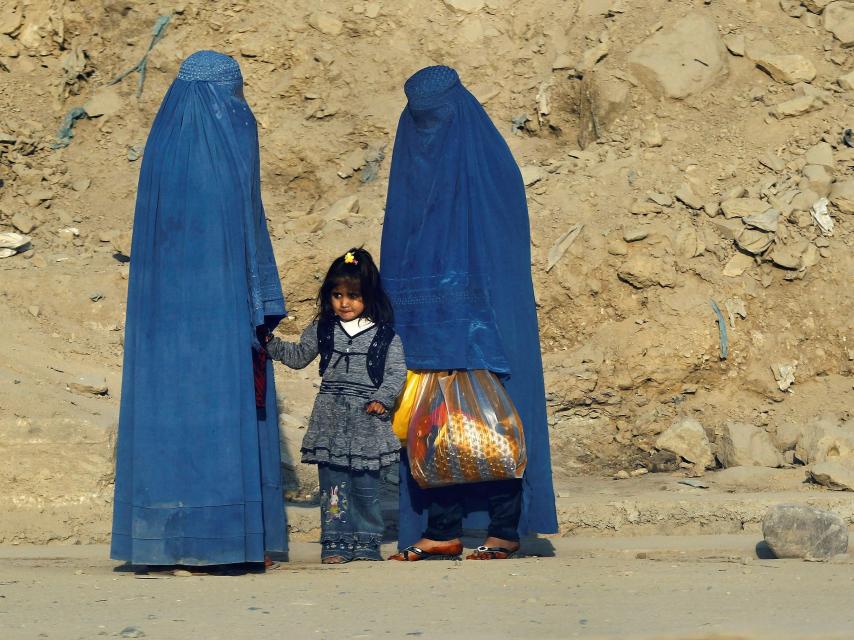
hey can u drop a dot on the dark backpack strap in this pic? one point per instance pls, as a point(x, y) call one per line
point(325, 342)
point(377, 353)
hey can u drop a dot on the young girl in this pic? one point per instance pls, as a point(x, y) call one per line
point(349, 434)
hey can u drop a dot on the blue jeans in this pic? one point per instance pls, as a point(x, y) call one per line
point(351, 519)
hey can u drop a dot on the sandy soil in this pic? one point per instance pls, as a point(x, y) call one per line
point(699, 587)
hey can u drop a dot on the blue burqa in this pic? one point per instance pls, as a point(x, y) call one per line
point(456, 262)
point(198, 477)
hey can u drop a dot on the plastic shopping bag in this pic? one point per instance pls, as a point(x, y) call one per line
point(464, 428)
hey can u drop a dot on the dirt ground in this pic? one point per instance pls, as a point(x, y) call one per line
point(675, 153)
point(664, 588)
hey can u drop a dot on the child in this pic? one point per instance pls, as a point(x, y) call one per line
point(349, 434)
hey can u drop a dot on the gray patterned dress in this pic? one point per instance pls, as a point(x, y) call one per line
point(340, 432)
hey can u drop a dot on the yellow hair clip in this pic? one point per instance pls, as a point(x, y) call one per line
point(349, 258)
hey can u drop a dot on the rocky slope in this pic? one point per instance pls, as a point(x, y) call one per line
point(679, 156)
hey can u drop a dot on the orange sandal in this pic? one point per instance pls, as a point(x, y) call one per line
point(492, 553)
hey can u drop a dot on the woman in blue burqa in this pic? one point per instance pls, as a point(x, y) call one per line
point(198, 479)
point(456, 262)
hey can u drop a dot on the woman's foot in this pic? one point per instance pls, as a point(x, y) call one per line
point(334, 560)
point(426, 549)
point(495, 549)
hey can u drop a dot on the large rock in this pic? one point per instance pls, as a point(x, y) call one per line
point(824, 439)
point(688, 439)
point(681, 61)
point(742, 444)
point(842, 195)
point(800, 531)
point(839, 20)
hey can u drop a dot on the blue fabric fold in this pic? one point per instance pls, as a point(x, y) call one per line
point(456, 263)
point(198, 468)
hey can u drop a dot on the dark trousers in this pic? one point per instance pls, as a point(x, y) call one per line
point(447, 508)
point(351, 519)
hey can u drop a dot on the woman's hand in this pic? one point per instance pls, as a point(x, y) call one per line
point(375, 408)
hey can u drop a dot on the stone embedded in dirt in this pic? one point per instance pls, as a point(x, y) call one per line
point(816, 178)
point(91, 385)
point(742, 444)
point(342, 208)
point(604, 98)
point(839, 20)
point(37, 196)
point(680, 61)
point(644, 208)
point(842, 195)
point(326, 23)
point(820, 154)
point(685, 194)
point(735, 44)
point(738, 264)
point(789, 256)
point(754, 241)
point(784, 374)
point(531, 174)
point(132, 632)
point(688, 244)
point(801, 531)
point(786, 68)
point(643, 271)
point(651, 135)
point(23, 222)
point(743, 207)
point(793, 8)
point(765, 221)
point(847, 81)
point(796, 107)
point(633, 234)
point(105, 102)
point(773, 161)
point(816, 6)
point(836, 474)
point(661, 198)
point(688, 439)
point(11, 17)
point(622, 474)
point(466, 6)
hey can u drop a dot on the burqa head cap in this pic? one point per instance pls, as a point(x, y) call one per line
point(210, 66)
point(427, 86)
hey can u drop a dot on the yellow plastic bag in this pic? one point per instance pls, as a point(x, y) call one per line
point(405, 403)
point(464, 428)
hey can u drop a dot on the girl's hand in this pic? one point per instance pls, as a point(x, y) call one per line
point(375, 408)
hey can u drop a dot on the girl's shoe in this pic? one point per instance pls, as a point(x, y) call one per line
point(336, 553)
point(412, 553)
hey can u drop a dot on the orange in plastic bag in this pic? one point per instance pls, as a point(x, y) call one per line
point(404, 405)
point(464, 428)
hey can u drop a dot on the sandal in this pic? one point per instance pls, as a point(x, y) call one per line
point(334, 560)
point(492, 553)
point(414, 554)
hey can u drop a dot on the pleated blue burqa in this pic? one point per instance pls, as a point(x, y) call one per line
point(198, 478)
point(456, 262)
